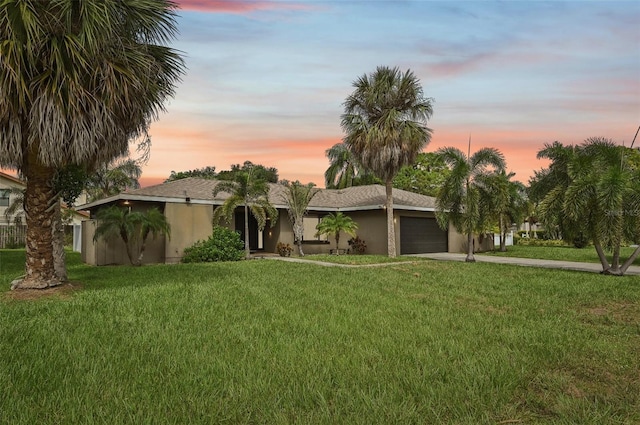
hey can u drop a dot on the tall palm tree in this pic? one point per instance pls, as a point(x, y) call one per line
point(458, 200)
point(133, 228)
point(333, 224)
point(385, 122)
point(297, 197)
point(79, 79)
point(344, 169)
point(253, 194)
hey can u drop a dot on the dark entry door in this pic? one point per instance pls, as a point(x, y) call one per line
point(253, 229)
point(420, 235)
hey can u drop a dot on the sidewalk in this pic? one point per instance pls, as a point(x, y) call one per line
point(527, 262)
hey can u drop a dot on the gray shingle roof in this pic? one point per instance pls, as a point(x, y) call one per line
point(349, 199)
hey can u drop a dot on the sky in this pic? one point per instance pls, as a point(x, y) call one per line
point(266, 80)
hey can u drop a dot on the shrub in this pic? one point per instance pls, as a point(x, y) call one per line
point(223, 245)
point(284, 249)
point(541, 242)
point(357, 245)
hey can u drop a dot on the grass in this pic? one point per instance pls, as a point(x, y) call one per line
point(278, 342)
point(358, 260)
point(564, 253)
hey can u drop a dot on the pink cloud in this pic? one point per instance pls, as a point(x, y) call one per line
point(238, 6)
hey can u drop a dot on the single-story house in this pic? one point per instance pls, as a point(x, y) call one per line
point(188, 206)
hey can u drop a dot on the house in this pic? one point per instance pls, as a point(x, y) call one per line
point(15, 221)
point(188, 206)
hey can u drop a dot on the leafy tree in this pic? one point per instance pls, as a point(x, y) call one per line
point(344, 169)
point(79, 79)
point(426, 176)
point(133, 228)
point(259, 172)
point(385, 122)
point(601, 194)
point(253, 194)
point(297, 197)
point(333, 224)
point(458, 200)
point(203, 173)
point(503, 201)
point(113, 178)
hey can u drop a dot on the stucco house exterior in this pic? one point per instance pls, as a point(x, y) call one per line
point(188, 206)
point(9, 182)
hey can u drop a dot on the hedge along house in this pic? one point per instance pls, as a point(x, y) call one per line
point(188, 205)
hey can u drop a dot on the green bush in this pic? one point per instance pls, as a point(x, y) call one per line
point(541, 242)
point(223, 245)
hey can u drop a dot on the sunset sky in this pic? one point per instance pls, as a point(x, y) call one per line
point(266, 79)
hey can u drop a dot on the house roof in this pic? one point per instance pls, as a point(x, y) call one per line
point(200, 191)
point(12, 179)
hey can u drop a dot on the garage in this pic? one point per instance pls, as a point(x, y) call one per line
point(419, 235)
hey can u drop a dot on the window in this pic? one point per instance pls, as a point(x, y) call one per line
point(4, 197)
point(310, 222)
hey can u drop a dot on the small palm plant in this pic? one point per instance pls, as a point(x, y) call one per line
point(333, 224)
point(133, 228)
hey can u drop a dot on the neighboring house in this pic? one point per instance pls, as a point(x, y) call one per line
point(188, 205)
point(7, 182)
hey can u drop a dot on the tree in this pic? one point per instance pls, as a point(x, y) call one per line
point(133, 228)
point(385, 122)
point(208, 172)
point(333, 224)
point(260, 172)
point(113, 178)
point(79, 79)
point(503, 201)
point(547, 189)
point(458, 200)
point(425, 176)
point(253, 194)
point(297, 197)
point(601, 194)
point(344, 169)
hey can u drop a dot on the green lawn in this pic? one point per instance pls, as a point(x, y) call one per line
point(564, 253)
point(267, 341)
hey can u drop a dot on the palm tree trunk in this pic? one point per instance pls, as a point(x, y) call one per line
point(247, 249)
point(338, 242)
point(601, 256)
point(58, 243)
point(391, 231)
point(503, 236)
point(470, 258)
point(39, 197)
point(630, 260)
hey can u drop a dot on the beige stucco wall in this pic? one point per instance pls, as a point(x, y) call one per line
point(458, 242)
point(189, 223)
point(103, 252)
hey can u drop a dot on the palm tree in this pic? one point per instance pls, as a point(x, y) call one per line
point(503, 201)
point(458, 200)
point(333, 224)
point(133, 228)
point(252, 193)
point(548, 188)
point(79, 79)
point(604, 196)
point(385, 122)
point(344, 170)
point(297, 197)
point(113, 178)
